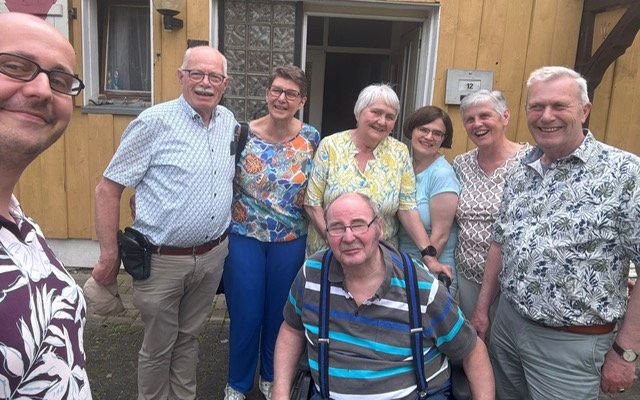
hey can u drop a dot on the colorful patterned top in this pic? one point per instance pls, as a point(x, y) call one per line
point(388, 179)
point(568, 231)
point(42, 318)
point(270, 185)
point(478, 205)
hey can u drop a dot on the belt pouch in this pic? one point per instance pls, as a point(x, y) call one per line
point(135, 253)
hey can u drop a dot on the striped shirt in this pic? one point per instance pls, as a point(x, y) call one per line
point(370, 353)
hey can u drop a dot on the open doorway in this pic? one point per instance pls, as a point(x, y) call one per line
point(346, 53)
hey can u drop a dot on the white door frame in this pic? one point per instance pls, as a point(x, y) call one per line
point(430, 19)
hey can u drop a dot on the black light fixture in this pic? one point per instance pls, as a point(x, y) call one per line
point(169, 9)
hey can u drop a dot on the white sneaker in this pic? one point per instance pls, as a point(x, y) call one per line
point(266, 388)
point(232, 394)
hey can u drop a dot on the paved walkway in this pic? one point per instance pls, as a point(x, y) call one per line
point(112, 345)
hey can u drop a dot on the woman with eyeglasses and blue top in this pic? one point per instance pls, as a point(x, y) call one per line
point(268, 230)
point(437, 188)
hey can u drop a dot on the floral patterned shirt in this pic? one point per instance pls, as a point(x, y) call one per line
point(478, 205)
point(270, 185)
point(568, 231)
point(42, 318)
point(388, 179)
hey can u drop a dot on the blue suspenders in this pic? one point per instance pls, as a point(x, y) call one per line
point(415, 323)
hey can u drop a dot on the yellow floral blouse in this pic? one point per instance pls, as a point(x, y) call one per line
point(388, 179)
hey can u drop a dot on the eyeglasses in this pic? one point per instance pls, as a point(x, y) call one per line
point(198, 76)
point(424, 131)
point(25, 70)
point(356, 227)
point(290, 94)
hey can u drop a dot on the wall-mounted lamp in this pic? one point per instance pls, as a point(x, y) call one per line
point(169, 9)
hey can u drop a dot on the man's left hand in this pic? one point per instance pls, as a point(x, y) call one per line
point(436, 267)
point(617, 374)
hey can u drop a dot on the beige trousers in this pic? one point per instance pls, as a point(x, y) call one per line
point(174, 303)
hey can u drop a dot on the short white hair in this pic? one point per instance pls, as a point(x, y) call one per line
point(550, 73)
point(494, 98)
point(187, 58)
point(373, 93)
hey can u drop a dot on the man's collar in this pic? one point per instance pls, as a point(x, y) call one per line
point(583, 152)
point(186, 107)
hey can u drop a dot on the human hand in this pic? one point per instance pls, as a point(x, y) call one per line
point(105, 272)
point(480, 321)
point(437, 268)
point(617, 374)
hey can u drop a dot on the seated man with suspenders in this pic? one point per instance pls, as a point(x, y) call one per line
point(375, 324)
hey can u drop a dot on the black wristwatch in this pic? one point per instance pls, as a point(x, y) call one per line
point(429, 251)
point(627, 354)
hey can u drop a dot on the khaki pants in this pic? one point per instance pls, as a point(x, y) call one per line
point(174, 302)
point(538, 363)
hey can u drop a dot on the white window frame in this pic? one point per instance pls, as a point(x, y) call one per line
point(90, 61)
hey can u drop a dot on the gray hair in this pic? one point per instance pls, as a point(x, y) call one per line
point(373, 206)
point(551, 73)
point(187, 58)
point(373, 93)
point(494, 98)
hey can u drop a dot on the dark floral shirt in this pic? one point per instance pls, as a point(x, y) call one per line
point(568, 232)
point(42, 317)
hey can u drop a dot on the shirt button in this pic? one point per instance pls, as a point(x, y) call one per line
point(212, 217)
point(214, 195)
point(206, 237)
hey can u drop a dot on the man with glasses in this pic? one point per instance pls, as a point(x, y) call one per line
point(369, 335)
point(42, 310)
point(180, 158)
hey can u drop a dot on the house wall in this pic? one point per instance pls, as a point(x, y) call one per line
point(511, 38)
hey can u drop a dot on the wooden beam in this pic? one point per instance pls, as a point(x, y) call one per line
point(617, 42)
point(598, 6)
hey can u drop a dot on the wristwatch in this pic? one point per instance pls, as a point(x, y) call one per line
point(627, 354)
point(429, 251)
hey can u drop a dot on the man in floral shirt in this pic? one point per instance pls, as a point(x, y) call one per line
point(569, 225)
point(42, 310)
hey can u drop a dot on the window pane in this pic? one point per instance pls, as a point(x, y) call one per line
point(128, 66)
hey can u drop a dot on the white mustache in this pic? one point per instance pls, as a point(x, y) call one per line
point(204, 91)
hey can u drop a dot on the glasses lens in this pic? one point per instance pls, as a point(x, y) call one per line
point(360, 227)
point(215, 78)
point(196, 76)
point(338, 230)
point(17, 67)
point(63, 82)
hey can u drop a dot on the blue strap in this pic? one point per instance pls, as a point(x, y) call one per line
point(323, 322)
point(415, 322)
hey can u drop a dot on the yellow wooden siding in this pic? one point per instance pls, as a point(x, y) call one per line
point(510, 38)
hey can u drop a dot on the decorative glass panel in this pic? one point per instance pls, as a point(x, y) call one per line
point(257, 36)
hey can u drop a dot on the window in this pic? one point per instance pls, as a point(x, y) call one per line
point(126, 42)
point(117, 61)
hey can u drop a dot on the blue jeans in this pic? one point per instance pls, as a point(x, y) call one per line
point(257, 278)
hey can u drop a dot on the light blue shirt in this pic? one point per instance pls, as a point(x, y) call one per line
point(182, 171)
point(436, 179)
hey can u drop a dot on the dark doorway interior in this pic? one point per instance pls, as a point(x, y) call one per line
point(345, 76)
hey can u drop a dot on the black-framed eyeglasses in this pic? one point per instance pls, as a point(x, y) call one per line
point(424, 131)
point(356, 227)
point(289, 94)
point(25, 70)
point(197, 76)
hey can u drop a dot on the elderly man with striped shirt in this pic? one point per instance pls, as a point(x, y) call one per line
point(370, 353)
